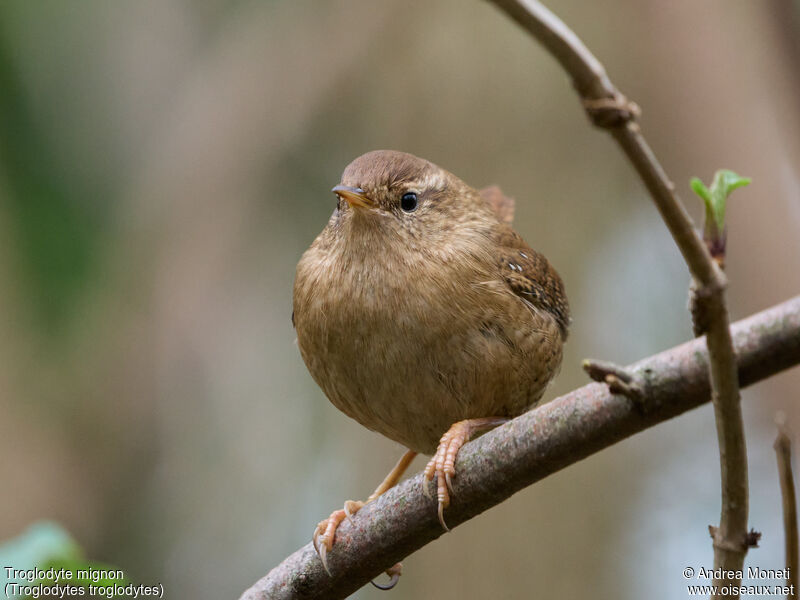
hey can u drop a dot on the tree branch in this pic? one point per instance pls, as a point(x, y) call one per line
point(599, 95)
point(783, 452)
point(527, 449)
point(608, 108)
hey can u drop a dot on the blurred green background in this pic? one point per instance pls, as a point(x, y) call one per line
point(163, 165)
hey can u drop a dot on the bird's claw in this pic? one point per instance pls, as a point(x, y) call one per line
point(443, 463)
point(351, 507)
point(443, 466)
point(394, 576)
point(323, 542)
point(440, 513)
point(322, 550)
point(325, 532)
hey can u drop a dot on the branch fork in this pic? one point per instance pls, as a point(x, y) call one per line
point(619, 379)
point(750, 540)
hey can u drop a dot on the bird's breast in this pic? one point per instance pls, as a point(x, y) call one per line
point(409, 344)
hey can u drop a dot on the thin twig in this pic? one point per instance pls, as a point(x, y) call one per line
point(618, 379)
point(593, 85)
point(598, 370)
point(783, 451)
point(526, 450)
point(608, 108)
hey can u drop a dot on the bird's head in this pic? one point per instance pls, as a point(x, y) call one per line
point(406, 198)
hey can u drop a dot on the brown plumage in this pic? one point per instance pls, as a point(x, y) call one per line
point(413, 318)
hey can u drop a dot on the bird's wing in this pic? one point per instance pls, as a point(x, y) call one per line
point(502, 205)
point(530, 276)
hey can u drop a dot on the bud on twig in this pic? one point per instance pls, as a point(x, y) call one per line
point(715, 199)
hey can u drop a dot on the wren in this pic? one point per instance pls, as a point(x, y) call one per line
point(423, 315)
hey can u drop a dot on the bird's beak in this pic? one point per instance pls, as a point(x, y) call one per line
point(354, 196)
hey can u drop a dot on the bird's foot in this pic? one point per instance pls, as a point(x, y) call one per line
point(443, 464)
point(325, 532)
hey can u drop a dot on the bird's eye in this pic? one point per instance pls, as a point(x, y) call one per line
point(409, 202)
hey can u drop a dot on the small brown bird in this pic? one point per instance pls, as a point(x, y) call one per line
point(423, 315)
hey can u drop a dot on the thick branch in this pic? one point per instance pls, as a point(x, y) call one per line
point(527, 449)
point(602, 99)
